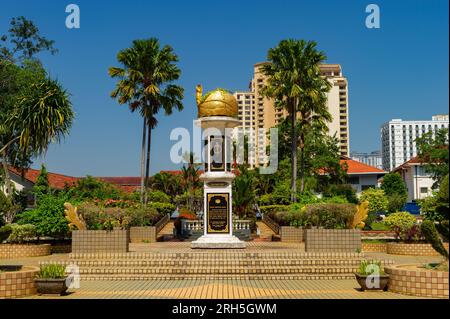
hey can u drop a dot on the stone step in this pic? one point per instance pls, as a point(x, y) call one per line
point(220, 277)
point(220, 270)
point(206, 263)
point(216, 255)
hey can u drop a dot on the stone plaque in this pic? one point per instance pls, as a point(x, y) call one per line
point(218, 213)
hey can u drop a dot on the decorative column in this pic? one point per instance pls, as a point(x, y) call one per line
point(217, 112)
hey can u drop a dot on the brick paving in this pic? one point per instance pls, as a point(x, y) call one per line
point(224, 289)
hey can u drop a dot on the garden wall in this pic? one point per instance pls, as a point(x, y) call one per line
point(92, 241)
point(291, 234)
point(374, 247)
point(24, 250)
point(143, 234)
point(345, 240)
point(426, 283)
point(412, 249)
point(16, 284)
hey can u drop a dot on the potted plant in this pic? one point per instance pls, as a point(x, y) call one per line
point(51, 279)
point(366, 276)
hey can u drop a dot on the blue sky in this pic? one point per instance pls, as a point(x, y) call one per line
point(397, 71)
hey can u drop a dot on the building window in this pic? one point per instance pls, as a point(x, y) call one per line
point(424, 190)
point(354, 180)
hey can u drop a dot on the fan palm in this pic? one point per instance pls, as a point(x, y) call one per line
point(145, 84)
point(294, 81)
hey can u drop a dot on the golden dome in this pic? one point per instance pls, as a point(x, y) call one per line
point(217, 102)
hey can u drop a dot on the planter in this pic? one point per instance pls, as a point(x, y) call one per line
point(10, 251)
point(374, 247)
point(51, 286)
point(94, 241)
point(332, 240)
point(420, 282)
point(362, 281)
point(10, 267)
point(20, 283)
point(412, 249)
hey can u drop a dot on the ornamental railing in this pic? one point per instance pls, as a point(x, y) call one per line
point(162, 222)
point(271, 224)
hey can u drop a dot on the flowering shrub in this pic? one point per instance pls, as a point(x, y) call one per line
point(404, 225)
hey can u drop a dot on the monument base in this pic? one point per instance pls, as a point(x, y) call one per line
point(218, 242)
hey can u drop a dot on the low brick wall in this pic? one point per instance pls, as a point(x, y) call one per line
point(92, 241)
point(24, 250)
point(291, 234)
point(339, 240)
point(412, 249)
point(143, 234)
point(426, 283)
point(374, 247)
point(14, 284)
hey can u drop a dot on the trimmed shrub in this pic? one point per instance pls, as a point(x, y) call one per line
point(404, 225)
point(5, 231)
point(328, 216)
point(378, 201)
point(158, 197)
point(432, 237)
point(162, 208)
point(21, 233)
point(144, 216)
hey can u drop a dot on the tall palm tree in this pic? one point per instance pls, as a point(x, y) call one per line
point(294, 81)
point(145, 84)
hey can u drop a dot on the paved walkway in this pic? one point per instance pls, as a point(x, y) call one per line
point(224, 289)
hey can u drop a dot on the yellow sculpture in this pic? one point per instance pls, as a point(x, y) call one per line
point(218, 102)
point(73, 217)
point(360, 215)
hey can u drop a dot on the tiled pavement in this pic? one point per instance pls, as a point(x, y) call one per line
point(224, 289)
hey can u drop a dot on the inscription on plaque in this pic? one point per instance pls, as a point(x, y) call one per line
point(218, 213)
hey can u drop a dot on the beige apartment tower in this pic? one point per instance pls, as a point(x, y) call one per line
point(258, 114)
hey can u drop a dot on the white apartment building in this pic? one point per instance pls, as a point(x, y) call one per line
point(398, 139)
point(373, 158)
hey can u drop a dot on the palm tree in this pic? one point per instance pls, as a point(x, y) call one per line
point(145, 84)
point(294, 81)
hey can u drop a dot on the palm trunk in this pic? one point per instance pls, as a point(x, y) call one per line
point(144, 132)
point(293, 153)
point(302, 164)
point(147, 164)
point(8, 184)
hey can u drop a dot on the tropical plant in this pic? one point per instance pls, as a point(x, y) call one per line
point(432, 150)
point(295, 83)
point(431, 235)
point(404, 225)
point(51, 271)
point(366, 267)
point(190, 178)
point(158, 197)
point(145, 84)
point(8, 210)
point(41, 187)
point(88, 188)
point(243, 192)
point(5, 231)
point(345, 190)
point(377, 199)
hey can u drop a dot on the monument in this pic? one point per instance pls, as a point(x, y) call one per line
point(217, 112)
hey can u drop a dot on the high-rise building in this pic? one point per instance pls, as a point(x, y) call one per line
point(259, 113)
point(373, 158)
point(398, 138)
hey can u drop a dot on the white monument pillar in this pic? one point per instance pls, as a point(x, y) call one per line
point(218, 177)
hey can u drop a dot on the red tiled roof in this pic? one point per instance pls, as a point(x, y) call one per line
point(413, 161)
point(126, 180)
point(57, 181)
point(355, 167)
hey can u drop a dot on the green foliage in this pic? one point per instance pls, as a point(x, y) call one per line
point(89, 188)
point(436, 207)
point(367, 267)
point(377, 199)
point(443, 229)
point(104, 218)
point(432, 237)
point(328, 216)
point(272, 209)
point(41, 187)
point(48, 217)
point(394, 184)
point(404, 225)
point(5, 231)
point(158, 196)
point(21, 233)
point(345, 190)
point(162, 208)
point(8, 209)
point(433, 152)
point(51, 271)
point(395, 202)
point(379, 226)
point(144, 216)
point(243, 192)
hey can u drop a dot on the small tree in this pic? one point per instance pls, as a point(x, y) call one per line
point(42, 186)
point(377, 199)
point(432, 236)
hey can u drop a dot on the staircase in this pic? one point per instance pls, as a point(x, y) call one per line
point(288, 264)
point(265, 233)
point(166, 233)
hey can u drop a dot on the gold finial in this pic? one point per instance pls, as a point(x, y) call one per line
point(360, 215)
point(198, 93)
point(73, 217)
